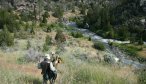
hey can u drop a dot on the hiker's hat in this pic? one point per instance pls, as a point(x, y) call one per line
point(52, 52)
point(47, 56)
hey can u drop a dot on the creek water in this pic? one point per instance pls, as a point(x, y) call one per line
point(112, 52)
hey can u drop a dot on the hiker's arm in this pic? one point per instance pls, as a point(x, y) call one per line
point(52, 67)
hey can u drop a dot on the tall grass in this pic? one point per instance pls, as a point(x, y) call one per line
point(93, 75)
point(76, 71)
point(15, 77)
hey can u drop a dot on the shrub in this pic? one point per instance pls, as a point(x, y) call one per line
point(77, 34)
point(79, 21)
point(6, 38)
point(45, 47)
point(9, 19)
point(21, 34)
point(60, 37)
point(47, 43)
point(100, 46)
point(142, 77)
point(89, 39)
point(32, 30)
point(45, 16)
point(129, 49)
point(28, 44)
point(48, 40)
point(32, 55)
point(58, 12)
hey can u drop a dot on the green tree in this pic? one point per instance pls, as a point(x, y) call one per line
point(6, 38)
point(45, 16)
point(58, 12)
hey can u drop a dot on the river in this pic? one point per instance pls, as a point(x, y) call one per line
point(114, 53)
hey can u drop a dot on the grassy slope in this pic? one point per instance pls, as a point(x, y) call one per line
point(73, 70)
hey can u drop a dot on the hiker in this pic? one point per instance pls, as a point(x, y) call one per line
point(48, 70)
point(55, 59)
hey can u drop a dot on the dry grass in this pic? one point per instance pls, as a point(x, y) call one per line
point(9, 61)
point(69, 14)
point(142, 53)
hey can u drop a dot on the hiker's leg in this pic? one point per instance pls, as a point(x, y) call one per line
point(51, 81)
point(44, 81)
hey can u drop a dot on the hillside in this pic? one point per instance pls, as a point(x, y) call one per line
point(81, 64)
point(99, 41)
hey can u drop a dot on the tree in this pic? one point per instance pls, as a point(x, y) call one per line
point(6, 38)
point(58, 12)
point(9, 19)
point(45, 16)
point(111, 31)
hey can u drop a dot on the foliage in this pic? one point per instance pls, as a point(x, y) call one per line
point(60, 37)
point(99, 45)
point(47, 43)
point(45, 47)
point(32, 55)
point(45, 16)
point(9, 19)
point(32, 31)
point(141, 77)
point(130, 49)
point(78, 20)
point(48, 40)
point(28, 44)
point(120, 21)
point(6, 38)
point(27, 16)
point(21, 34)
point(58, 12)
point(77, 34)
point(89, 39)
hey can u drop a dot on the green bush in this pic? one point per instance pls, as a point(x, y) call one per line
point(48, 40)
point(60, 37)
point(100, 46)
point(9, 19)
point(58, 12)
point(6, 38)
point(129, 49)
point(21, 34)
point(79, 21)
point(77, 34)
point(45, 16)
point(49, 28)
point(28, 44)
point(89, 39)
point(142, 77)
point(47, 43)
point(45, 47)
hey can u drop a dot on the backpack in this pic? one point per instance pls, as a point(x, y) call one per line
point(50, 75)
point(39, 65)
